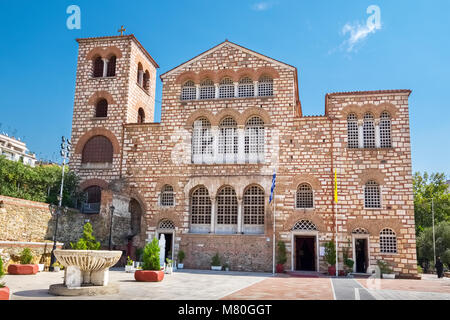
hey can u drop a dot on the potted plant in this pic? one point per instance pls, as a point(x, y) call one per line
point(348, 263)
point(169, 266)
point(281, 257)
point(226, 266)
point(385, 270)
point(25, 266)
point(215, 263)
point(181, 256)
point(151, 269)
point(330, 257)
point(129, 267)
point(57, 266)
point(4, 290)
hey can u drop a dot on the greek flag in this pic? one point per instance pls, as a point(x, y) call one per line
point(273, 186)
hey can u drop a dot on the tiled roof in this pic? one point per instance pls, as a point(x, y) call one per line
point(369, 92)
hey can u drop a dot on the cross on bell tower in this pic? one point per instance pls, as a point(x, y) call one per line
point(121, 30)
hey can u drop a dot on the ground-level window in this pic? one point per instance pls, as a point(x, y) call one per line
point(227, 206)
point(254, 205)
point(388, 241)
point(200, 205)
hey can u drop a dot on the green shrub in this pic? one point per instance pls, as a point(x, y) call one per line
point(150, 257)
point(281, 253)
point(330, 253)
point(139, 252)
point(384, 267)
point(181, 256)
point(129, 261)
point(215, 261)
point(26, 256)
point(87, 241)
point(419, 269)
point(2, 273)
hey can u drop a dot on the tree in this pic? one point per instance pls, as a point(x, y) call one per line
point(281, 253)
point(425, 243)
point(427, 187)
point(330, 253)
point(87, 241)
point(150, 257)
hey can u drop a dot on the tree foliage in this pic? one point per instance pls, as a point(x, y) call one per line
point(87, 241)
point(150, 256)
point(427, 187)
point(281, 253)
point(41, 183)
point(425, 243)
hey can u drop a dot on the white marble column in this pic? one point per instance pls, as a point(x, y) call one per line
point(141, 77)
point(105, 67)
point(255, 84)
point(241, 144)
point(197, 91)
point(215, 145)
point(213, 215)
point(360, 134)
point(216, 95)
point(236, 89)
point(377, 134)
point(239, 218)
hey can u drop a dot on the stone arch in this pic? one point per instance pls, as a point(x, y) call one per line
point(359, 222)
point(305, 178)
point(207, 74)
point(390, 108)
point(246, 72)
point(228, 112)
point(185, 76)
point(199, 114)
point(93, 182)
point(226, 73)
point(104, 52)
point(143, 62)
point(372, 174)
point(101, 95)
point(269, 71)
point(172, 181)
point(254, 111)
point(375, 110)
point(304, 215)
point(97, 132)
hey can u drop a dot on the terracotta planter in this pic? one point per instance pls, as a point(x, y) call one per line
point(22, 269)
point(332, 270)
point(279, 268)
point(148, 275)
point(4, 293)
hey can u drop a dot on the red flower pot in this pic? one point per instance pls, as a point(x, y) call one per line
point(22, 269)
point(4, 293)
point(148, 275)
point(279, 268)
point(332, 270)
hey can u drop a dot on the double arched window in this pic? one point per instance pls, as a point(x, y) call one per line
point(98, 149)
point(207, 89)
point(104, 67)
point(372, 195)
point(304, 197)
point(188, 91)
point(226, 88)
point(265, 86)
point(101, 108)
point(246, 88)
point(388, 241)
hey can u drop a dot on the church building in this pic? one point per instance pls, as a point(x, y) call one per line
point(230, 118)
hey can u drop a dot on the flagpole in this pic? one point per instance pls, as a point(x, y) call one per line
point(336, 220)
point(273, 254)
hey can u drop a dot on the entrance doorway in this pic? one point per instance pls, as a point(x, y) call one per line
point(361, 255)
point(305, 253)
point(168, 249)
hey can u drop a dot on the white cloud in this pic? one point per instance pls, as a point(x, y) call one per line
point(261, 6)
point(358, 33)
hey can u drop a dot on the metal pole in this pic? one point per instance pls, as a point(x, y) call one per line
point(434, 239)
point(336, 220)
point(111, 209)
point(273, 254)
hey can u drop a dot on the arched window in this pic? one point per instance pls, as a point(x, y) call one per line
point(265, 86)
point(304, 197)
point(200, 206)
point(226, 88)
point(98, 149)
point(304, 225)
point(246, 88)
point(385, 130)
point(188, 91)
point(93, 198)
point(140, 75)
point(111, 67)
point(254, 208)
point(254, 138)
point(101, 109)
point(141, 116)
point(360, 230)
point(227, 206)
point(202, 140)
point(369, 131)
point(166, 225)
point(146, 81)
point(352, 131)
point(388, 241)
point(228, 139)
point(372, 198)
point(207, 89)
point(98, 67)
point(167, 196)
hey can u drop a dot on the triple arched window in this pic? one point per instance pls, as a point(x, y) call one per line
point(369, 132)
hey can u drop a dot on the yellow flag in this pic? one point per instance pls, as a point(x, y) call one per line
point(335, 187)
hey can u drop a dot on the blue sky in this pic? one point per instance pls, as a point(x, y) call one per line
point(411, 50)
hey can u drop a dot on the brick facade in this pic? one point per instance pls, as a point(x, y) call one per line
point(302, 149)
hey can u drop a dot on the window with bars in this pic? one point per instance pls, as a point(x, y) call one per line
point(207, 89)
point(188, 91)
point(111, 69)
point(246, 88)
point(304, 197)
point(98, 67)
point(304, 225)
point(265, 86)
point(228, 138)
point(202, 139)
point(141, 116)
point(360, 231)
point(254, 206)
point(98, 149)
point(146, 80)
point(166, 225)
point(254, 136)
point(101, 109)
point(372, 197)
point(388, 241)
point(200, 205)
point(385, 130)
point(167, 196)
point(369, 131)
point(352, 131)
point(226, 88)
point(227, 206)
